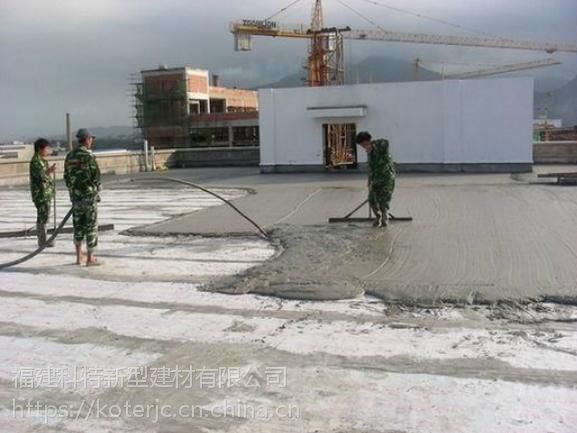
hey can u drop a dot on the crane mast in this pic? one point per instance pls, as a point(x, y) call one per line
point(317, 60)
point(325, 60)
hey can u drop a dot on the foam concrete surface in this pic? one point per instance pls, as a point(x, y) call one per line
point(269, 207)
point(474, 238)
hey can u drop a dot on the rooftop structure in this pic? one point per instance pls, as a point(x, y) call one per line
point(433, 126)
point(18, 151)
point(174, 108)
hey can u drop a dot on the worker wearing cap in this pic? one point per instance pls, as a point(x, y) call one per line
point(381, 176)
point(41, 188)
point(82, 177)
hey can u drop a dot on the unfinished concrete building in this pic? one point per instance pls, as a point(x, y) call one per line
point(184, 108)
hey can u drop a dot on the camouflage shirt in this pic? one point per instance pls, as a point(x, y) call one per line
point(41, 184)
point(381, 165)
point(82, 175)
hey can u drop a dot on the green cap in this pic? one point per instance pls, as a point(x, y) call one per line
point(83, 133)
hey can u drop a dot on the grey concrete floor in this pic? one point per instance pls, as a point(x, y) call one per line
point(474, 238)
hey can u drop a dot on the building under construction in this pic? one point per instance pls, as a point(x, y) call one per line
point(184, 107)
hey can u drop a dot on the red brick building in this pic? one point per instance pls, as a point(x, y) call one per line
point(182, 108)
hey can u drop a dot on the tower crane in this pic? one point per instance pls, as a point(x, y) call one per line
point(325, 63)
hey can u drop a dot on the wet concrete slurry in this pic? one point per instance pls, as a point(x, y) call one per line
point(474, 238)
point(356, 364)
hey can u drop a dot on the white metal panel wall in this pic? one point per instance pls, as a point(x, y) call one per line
point(495, 120)
point(267, 127)
point(451, 126)
point(470, 121)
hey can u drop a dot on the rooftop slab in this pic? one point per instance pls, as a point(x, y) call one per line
point(147, 310)
point(474, 238)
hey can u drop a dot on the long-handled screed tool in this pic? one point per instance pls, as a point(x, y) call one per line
point(348, 218)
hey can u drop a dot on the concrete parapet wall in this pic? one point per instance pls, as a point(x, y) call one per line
point(216, 157)
point(555, 152)
point(17, 172)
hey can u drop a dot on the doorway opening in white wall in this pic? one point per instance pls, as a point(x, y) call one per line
point(339, 145)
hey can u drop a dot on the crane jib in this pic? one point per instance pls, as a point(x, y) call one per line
point(273, 28)
point(424, 38)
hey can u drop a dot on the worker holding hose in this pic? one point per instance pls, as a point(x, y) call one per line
point(82, 177)
point(381, 176)
point(41, 188)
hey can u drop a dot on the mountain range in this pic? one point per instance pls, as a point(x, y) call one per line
point(370, 70)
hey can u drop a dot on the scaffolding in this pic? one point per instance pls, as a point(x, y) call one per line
point(325, 64)
point(135, 88)
point(165, 114)
point(340, 150)
point(161, 110)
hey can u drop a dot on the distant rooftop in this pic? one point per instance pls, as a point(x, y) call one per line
point(166, 69)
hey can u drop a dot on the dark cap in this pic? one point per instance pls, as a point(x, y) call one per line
point(362, 137)
point(83, 133)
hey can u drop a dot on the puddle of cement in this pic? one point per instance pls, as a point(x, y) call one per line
point(317, 263)
point(335, 262)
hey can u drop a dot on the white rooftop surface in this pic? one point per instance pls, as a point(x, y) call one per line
point(356, 365)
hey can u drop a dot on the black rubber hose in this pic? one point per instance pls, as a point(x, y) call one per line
point(40, 248)
point(170, 179)
point(184, 182)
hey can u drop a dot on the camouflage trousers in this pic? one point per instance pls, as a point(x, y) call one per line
point(85, 221)
point(42, 212)
point(380, 198)
point(42, 217)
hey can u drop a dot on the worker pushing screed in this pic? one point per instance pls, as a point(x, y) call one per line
point(381, 176)
point(82, 177)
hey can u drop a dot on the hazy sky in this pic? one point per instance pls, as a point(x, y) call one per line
point(77, 55)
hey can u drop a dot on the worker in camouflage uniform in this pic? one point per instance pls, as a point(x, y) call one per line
point(381, 176)
point(41, 188)
point(82, 177)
